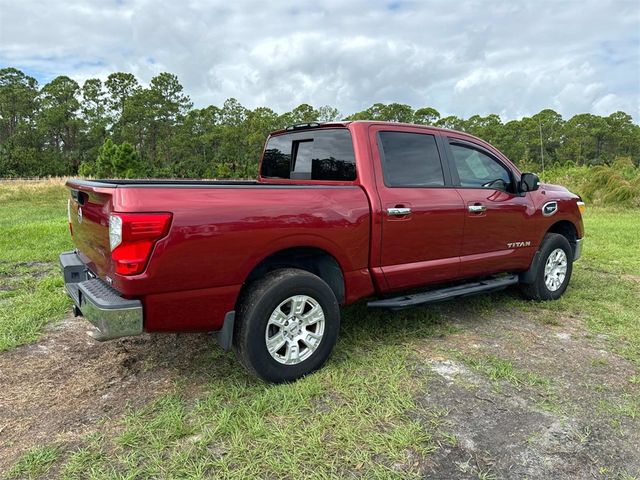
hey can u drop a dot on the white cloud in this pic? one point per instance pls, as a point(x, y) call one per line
point(467, 57)
point(607, 104)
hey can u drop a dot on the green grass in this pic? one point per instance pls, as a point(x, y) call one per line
point(33, 231)
point(611, 243)
point(627, 406)
point(33, 224)
point(499, 369)
point(35, 463)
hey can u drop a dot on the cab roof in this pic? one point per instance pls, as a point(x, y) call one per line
point(346, 123)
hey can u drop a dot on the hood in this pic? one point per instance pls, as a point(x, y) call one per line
point(558, 190)
point(553, 188)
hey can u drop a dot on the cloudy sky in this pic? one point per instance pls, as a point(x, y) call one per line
point(464, 57)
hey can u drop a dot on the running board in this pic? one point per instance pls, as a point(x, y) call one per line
point(433, 296)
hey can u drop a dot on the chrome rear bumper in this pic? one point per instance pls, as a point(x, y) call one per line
point(111, 314)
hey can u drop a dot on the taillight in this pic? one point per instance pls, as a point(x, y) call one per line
point(132, 237)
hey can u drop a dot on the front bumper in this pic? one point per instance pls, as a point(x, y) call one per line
point(111, 314)
point(577, 252)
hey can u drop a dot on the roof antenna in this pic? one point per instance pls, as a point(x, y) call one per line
point(541, 146)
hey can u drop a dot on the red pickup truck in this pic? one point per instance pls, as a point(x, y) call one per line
point(339, 212)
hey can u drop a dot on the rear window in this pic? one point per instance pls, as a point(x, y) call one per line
point(310, 155)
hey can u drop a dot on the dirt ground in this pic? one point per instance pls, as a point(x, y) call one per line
point(68, 385)
point(576, 418)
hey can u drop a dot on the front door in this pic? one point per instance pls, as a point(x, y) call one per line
point(422, 214)
point(495, 236)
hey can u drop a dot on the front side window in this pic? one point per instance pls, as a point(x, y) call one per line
point(410, 160)
point(310, 155)
point(478, 170)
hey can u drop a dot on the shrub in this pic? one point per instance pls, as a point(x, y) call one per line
point(616, 185)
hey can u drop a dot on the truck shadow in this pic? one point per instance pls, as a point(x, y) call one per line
point(196, 359)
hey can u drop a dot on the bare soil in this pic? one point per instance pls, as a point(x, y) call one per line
point(68, 385)
point(583, 423)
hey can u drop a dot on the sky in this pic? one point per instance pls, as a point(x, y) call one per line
point(467, 57)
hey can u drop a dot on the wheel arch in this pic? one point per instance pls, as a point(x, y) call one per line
point(311, 259)
point(567, 229)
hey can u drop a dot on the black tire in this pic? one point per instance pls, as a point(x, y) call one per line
point(538, 289)
point(259, 301)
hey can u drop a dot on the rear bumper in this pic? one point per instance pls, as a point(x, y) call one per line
point(112, 315)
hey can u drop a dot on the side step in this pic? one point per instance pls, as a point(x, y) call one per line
point(439, 295)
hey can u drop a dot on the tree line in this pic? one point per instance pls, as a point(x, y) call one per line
point(121, 128)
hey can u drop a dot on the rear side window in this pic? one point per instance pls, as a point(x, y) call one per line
point(276, 160)
point(410, 160)
point(310, 155)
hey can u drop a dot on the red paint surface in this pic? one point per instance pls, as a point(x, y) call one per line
point(218, 235)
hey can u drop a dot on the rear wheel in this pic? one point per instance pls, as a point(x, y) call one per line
point(553, 271)
point(287, 325)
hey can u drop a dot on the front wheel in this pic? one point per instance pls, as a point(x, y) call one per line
point(553, 271)
point(287, 325)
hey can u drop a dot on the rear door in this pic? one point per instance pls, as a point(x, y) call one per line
point(422, 213)
point(495, 235)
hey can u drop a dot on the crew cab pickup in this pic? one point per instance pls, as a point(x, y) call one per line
point(339, 212)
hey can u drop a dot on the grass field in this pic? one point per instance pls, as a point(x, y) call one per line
point(359, 416)
point(33, 232)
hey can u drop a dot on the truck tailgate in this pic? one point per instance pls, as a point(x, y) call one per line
point(89, 209)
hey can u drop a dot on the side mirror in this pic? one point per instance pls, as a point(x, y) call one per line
point(529, 182)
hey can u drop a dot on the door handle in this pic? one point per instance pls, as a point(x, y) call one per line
point(398, 211)
point(477, 208)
